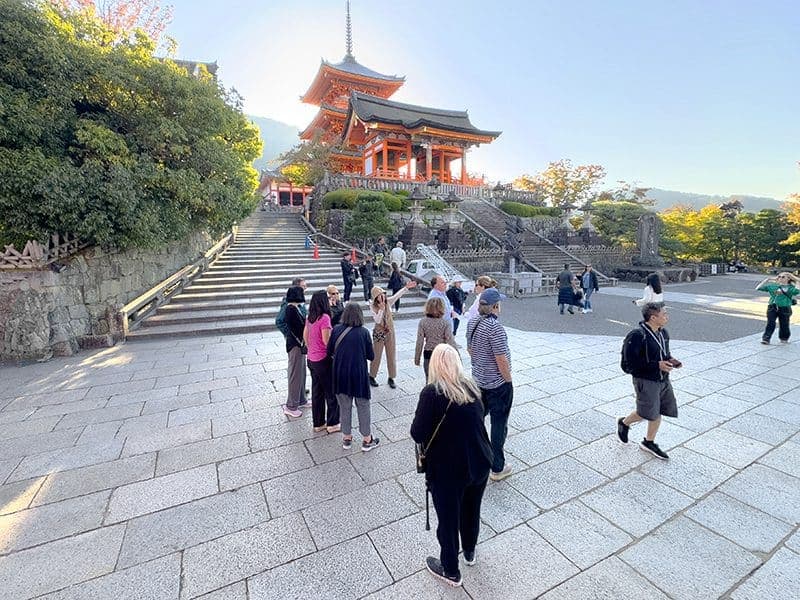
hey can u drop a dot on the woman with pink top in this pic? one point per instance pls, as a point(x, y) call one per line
point(316, 334)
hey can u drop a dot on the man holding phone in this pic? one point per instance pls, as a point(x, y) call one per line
point(647, 358)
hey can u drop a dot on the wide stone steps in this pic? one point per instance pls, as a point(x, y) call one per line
point(242, 290)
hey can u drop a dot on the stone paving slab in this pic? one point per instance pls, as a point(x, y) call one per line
point(687, 561)
point(156, 580)
point(216, 495)
point(192, 523)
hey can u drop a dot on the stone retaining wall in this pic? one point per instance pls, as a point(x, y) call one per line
point(44, 313)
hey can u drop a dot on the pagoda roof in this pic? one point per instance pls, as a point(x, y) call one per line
point(349, 70)
point(373, 109)
point(350, 65)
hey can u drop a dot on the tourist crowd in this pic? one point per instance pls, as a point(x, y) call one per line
point(331, 338)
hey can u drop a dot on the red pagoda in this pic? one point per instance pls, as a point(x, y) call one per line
point(378, 137)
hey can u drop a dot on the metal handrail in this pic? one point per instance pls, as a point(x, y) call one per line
point(134, 312)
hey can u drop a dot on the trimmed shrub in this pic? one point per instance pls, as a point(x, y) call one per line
point(518, 209)
point(348, 198)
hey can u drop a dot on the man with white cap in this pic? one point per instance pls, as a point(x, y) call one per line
point(487, 344)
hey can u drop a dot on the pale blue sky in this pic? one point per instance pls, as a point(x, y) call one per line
point(698, 96)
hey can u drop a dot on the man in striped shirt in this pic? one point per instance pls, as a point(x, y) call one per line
point(487, 344)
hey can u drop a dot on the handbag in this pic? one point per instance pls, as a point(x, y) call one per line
point(421, 450)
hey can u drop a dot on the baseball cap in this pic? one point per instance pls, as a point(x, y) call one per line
point(492, 297)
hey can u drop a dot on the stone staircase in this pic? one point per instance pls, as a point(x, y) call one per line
point(241, 292)
point(548, 258)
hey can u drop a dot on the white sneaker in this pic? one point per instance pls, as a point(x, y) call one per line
point(501, 475)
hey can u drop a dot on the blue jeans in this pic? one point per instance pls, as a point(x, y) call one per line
point(587, 294)
point(497, 404)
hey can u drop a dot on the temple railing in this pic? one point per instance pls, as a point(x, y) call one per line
point(38, 256)
point(521, 196)
point(335, 181)
point(134, 312)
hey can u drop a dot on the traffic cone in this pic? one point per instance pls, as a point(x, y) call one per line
point(353, 255)
point(316, 250)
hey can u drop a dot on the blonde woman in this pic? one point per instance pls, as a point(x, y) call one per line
point(483, 283)
point(432, 330)
point(383, 332)
point(449, 424)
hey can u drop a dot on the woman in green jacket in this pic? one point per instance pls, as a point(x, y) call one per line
point(782, 291)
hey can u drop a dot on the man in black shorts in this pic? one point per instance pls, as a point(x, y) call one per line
point(646, 352)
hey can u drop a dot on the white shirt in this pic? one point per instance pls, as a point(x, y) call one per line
point(649, 296)
point(398, 255)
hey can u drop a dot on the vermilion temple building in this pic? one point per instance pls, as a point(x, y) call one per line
point(383, 138)
point(377, 137)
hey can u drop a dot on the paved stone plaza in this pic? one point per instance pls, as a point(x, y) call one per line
point(167, 470)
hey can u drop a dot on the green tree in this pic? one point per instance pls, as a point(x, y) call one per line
point(617, 221)
point(108, 143)
point(562, 184)
point(369, 221)
point(306, 163)
point(770, 228)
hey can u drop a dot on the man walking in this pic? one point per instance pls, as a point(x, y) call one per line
point(487, 344)
point(646, 356)
point(565, 296)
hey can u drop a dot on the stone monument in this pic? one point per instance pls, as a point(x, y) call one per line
point(647, 238)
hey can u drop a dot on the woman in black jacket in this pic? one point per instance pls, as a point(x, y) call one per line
point(458, 458)
point(296, 322)
point(350, 345)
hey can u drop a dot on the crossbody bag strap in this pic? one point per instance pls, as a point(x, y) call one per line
point(339, 339)
point(481, 319)
point(435, 431)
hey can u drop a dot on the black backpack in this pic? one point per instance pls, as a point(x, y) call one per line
point(625, 362)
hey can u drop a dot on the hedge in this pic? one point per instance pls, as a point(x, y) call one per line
point(518, 209)
point(347, 199)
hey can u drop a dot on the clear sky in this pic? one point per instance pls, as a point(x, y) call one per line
point(691, 95)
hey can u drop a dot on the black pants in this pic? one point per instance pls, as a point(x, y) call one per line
point(782, 314)
point(348, 287)
point(456, 323)
point(322, 393)
point(367, 288)
point(497, 404)
point(458, 509)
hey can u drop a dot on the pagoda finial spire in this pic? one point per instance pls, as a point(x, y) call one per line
point(348, 34)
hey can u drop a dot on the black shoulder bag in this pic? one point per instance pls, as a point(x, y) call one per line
point(421, 451)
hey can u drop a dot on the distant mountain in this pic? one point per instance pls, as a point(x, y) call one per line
point(667, 198)
point(277, 137)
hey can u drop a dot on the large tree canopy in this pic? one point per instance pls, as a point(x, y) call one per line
point(561, 184)
point(106, 142)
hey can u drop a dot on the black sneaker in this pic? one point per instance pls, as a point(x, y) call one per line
point(372, 382)
point(367, 446)
point(622, 430)
point(436, 569)
point(570, 311)
point(347, 443)
point(653, 449)
point(765, 342)
point(392, 383)
point(470, 558)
